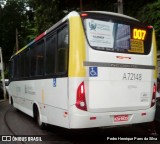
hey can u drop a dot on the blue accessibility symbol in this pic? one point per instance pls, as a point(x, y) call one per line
point(93, 71)
point(54, 82)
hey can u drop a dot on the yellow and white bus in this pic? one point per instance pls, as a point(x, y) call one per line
point(91, 69)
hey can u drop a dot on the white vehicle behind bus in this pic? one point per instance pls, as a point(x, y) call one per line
point(91, 69)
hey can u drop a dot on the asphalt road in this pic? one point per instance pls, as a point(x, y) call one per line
point(23, 125)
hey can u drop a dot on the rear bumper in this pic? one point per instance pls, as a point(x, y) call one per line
point(83, 119)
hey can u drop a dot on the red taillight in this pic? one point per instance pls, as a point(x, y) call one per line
point(153, 95)
point(143, 114)
point(92, 118)
point(81, 100)
point(84, 14)
point(150, 27)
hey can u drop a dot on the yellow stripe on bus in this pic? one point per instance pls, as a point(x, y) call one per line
point(155, 54)
point(77, 51)
point(21, 50)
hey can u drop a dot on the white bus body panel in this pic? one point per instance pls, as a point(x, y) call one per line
point(116, 88)
point(109, 95)
point(52, 101)
point(82, 119)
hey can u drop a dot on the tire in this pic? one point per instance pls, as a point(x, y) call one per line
point(11, 99)
point(157, 125)
point(12, 103)
point(38, 120)
point(157, 117)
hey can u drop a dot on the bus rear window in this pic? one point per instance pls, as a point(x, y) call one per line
point(117, 36)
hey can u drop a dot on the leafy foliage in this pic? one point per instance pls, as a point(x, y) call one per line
point(49, 12)
point(12, 17)
point(151, 14)
point(46, 13)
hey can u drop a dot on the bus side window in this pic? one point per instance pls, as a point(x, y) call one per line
point(26, 64)
point(37, 59)
point(11, 69)
point(62, 50)
point(40, 58)
point(33, 61)
point(22, 65)
point(51, 44)
point(17, 67)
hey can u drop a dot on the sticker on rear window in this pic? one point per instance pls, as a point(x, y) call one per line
point(93, 71)
point(137, 46)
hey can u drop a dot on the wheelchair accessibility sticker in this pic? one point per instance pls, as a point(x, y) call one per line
point(93, 71)
point(54, 82)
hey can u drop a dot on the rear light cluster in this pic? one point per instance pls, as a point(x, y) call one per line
point(154, 95)
point(81, 100)
point(150, 27)
point(84, 15)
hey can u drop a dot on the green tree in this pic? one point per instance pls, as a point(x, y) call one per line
point(132, 7)
point(46, 13)
point(12, 17)
point(150, 14)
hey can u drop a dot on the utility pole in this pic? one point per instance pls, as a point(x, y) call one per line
point(17, 48)
point(120, 6)
point(81, 5)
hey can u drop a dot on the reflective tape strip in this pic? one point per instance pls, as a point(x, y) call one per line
point(118, 65)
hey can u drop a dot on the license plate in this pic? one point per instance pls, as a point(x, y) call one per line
point(120, 118)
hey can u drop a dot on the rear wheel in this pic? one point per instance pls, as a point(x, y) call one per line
point(157, 116)
point(38, 119)
point(157, 126)
point(11, 101)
